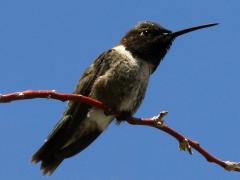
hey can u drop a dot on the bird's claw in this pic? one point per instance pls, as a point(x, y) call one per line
point(109, 112)
point(159, 121)
point(184, 145)
point(119, 115)
point(122, 116)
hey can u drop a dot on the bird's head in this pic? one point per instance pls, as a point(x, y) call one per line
point(150, 41)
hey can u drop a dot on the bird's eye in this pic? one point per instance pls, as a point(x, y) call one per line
point(145, 33)
point(165, 33)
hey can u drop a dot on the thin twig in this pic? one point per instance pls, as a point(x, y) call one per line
point(156, 121)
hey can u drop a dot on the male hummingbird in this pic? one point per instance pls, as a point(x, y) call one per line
point(119, 78)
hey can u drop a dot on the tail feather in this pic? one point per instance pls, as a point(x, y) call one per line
point(49, 162)
point(47, 154)
point(49, 166)
point(70, 137)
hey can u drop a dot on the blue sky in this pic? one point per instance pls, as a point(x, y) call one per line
point(48, 44)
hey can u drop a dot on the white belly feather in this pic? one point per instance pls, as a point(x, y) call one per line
point(98, 116)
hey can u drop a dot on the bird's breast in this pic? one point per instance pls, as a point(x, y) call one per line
point(132, 76)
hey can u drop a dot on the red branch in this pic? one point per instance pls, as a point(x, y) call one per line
point(156, 122)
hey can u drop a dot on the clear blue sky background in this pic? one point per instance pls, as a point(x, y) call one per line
point(48, 44)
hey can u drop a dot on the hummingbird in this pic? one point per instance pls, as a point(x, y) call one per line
point(119, 78)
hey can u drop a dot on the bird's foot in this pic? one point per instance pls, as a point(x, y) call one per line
point(123, 115)
point(185, 146)
point(159, 121)
point(109, 112)
point(120, 116)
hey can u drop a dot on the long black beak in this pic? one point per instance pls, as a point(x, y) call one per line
point(184, 31)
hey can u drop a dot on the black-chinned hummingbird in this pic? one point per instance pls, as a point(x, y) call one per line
point(119, 78)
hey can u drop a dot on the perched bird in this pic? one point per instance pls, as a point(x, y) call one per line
point(119, 78)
